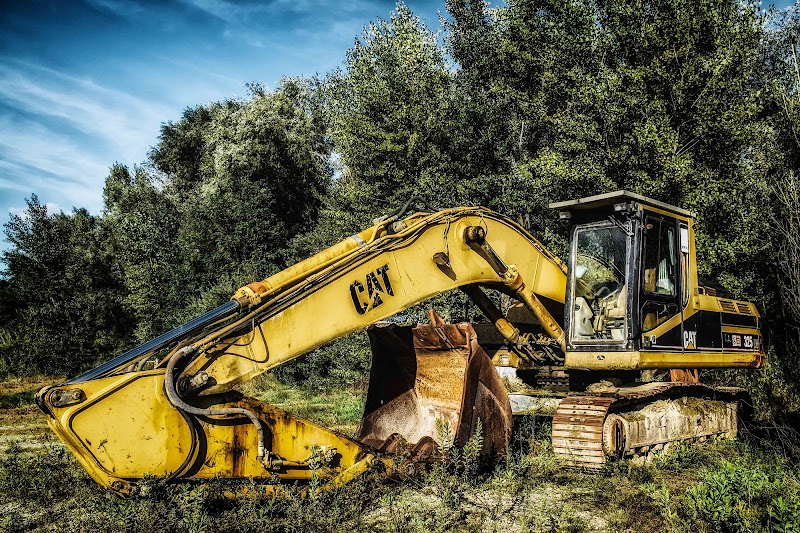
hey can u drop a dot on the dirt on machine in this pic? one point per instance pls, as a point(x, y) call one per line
point(607, 342)
point(433, 382)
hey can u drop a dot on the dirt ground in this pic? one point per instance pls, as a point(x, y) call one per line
point(21, 422)
point(718, 486)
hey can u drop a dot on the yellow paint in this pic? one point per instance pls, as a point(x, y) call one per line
point(688, 357)
point(641, 360)
point(658, 211)
point(126, 428)
point(304, 315)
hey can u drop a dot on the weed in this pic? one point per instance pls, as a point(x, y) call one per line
point(668, 511)
point(17, 392)
point(337, 409)
point(723, 486)
point(42, 478)
point(784, 513)
point(743, 495)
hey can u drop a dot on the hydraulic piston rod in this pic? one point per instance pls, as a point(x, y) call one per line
point(475, 236)
point(162, 341)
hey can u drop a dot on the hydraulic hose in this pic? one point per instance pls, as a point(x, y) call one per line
point(186, 462)
point(175, 399)
point(398, 213)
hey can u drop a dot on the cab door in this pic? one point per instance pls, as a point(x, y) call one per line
point(660, 287)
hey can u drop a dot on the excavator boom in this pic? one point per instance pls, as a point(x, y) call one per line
point(182, 418)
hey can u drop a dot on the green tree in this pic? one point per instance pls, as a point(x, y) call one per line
point(781, 47)
point(226, 198)
point(264, 171)
point(663, 97)
point(143, 226)
point(382, 110)
point(65, 298)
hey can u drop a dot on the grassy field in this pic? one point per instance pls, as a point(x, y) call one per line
point(720, 486)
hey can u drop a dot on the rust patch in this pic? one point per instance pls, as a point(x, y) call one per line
point(577, 434)
point(684, 375)
point(257, 287)
point(237, 451)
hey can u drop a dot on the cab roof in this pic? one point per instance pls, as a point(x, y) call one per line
point(611, 198)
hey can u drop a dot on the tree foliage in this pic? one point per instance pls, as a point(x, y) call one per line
point(693, 102)
point(61, 295)
point(382, 113)
point(223, 195)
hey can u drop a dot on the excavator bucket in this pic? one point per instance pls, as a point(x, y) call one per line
point(431, 383)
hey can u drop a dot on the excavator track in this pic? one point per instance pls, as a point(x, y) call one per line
point(577, 434)
point(634, 421)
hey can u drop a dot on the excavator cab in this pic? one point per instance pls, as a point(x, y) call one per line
point(633, 300)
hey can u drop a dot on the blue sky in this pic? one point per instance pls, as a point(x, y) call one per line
point(86, 83)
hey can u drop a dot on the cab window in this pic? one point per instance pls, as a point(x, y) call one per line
point(599, 283)
point(660, 258)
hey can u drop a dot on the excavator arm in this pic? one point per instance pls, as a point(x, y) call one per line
point(183, 417)
point(379, 275)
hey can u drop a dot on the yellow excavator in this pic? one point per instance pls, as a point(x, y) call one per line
point(588, 333)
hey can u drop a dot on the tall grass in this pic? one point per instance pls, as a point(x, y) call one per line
point(719, 486)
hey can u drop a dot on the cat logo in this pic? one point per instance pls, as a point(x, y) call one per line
point(377, 288)
point(689, 340)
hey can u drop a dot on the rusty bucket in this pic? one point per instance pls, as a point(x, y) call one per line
point(429, 373)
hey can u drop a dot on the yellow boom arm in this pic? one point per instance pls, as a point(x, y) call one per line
point(122, 422)
point(366, 278)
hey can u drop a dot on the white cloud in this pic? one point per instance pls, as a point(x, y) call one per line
point(35, 159)
point(324, 18)
point(205, 69)
point(25, 144)
point(125, 122)
point(62, 131)
point(229, 11)
point(66, 131)
point(122, 9)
